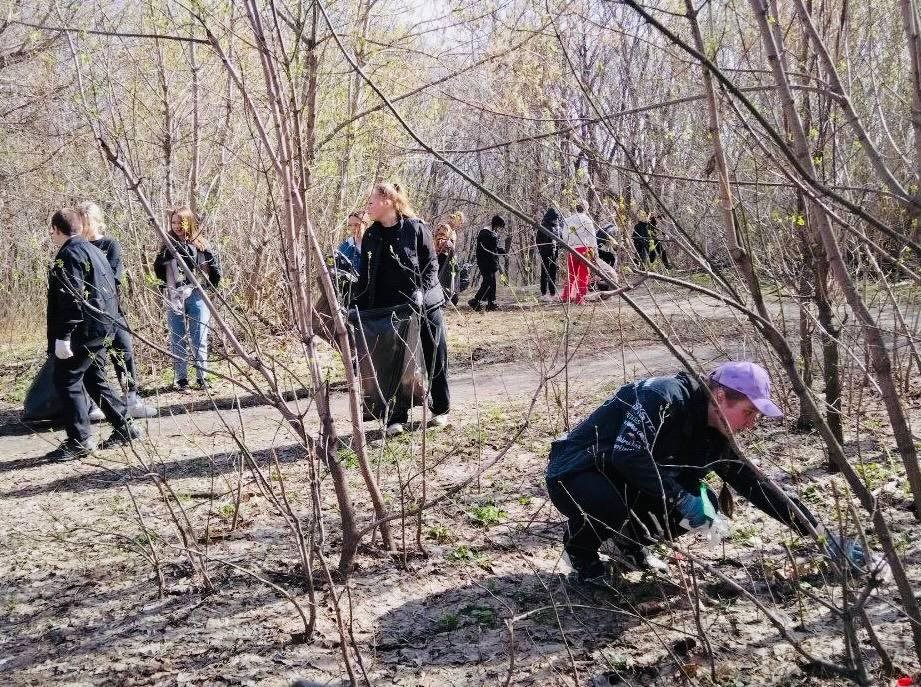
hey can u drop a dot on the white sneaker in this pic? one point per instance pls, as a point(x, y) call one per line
point(141, 411)
point(440, 420)
point(96, 414)
point(393, 430)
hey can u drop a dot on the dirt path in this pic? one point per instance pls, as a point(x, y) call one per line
point(78, 604)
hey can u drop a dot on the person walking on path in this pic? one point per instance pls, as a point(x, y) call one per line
point(82, 311)
point(399, 267)
point(634, 469)
point(487, 261)
point(547, 250)
point(580, 234)
point(122, 353)
point(187, 315)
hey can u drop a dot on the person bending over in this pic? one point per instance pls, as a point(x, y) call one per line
point(634, 469)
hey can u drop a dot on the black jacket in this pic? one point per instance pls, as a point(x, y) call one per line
point(113, 251)
point(82, 297)
point(641, 231)
point(551, 222)
point(408, 272)
point(204, 263)
point(487, 250)
point(653, 436)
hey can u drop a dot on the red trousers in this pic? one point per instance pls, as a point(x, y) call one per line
point(577, 284)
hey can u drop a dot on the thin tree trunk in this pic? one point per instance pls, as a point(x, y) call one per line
point(876, 348)
point(879, 354)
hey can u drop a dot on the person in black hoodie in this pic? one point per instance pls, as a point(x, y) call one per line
point(487, 261)
point(547, 249)
point(399, 267)
point(634, 469)
point(641, 241)
point(187, 314)
point(82, 311)
point(122, 353)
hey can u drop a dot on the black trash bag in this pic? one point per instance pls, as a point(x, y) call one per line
point(42, 402)
point(390, 363)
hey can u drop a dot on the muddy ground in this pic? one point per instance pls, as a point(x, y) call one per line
point(486, 603)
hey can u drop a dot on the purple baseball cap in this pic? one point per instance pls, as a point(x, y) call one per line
point(750, 379)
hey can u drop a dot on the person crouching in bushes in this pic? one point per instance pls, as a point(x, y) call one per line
point(399, 267)
point(122, 351)
point(487, 260)
point(634, 469)
point(187, 315)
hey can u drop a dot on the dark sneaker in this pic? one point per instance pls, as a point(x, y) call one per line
point(202, 385)
point(181, 385)
point(474, 303)
point(490, 307)
point(73, 450)
point(122, 436)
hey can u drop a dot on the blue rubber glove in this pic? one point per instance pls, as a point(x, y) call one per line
point(698, 511)
point(835, 546)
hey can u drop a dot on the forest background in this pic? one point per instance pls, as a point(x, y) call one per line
point(780, 143)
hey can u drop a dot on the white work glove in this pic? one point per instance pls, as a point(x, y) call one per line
point(62, 349)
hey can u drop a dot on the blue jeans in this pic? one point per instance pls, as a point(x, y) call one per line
point(193, 323)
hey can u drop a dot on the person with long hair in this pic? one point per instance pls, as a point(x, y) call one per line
point(350, 248)
point(187, 315)
point(399, 268)
point(445, 241)
point(122, 351)
point(347, 258)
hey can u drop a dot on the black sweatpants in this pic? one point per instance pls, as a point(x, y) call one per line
point(599, 509)
point(435, 352)
point(547, 272)
point(659, 252)
point(642, 249)
point(487, 290)
point(86, 369)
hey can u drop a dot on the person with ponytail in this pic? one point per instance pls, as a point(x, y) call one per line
point(399, 267)
point(187, 315)
point(122, 351)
